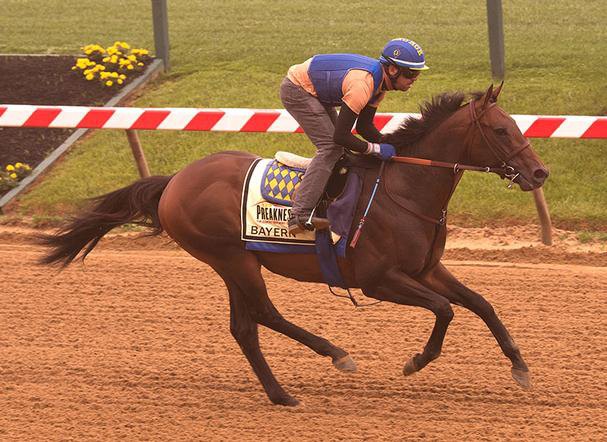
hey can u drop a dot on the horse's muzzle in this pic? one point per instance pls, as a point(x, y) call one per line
point(539, 176)
point(531, 180)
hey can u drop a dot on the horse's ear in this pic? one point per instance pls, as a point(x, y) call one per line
point(497, 91)
point(488, 96)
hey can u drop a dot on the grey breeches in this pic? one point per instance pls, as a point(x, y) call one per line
point(318, 123)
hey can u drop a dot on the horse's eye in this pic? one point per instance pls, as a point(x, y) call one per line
point(500, 131)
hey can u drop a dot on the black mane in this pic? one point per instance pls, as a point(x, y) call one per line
point(434, 112)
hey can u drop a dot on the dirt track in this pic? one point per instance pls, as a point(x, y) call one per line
point(136, 344)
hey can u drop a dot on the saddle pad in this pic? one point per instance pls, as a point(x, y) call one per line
point(265, 205)
point(279, 182)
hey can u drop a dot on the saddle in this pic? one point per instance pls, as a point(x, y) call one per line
point(284, 174)
point(267, 198)
point(269, 190)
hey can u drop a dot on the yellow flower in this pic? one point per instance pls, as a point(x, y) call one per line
point(89, 49)
point(106, 59)
point(27, 167)
point(13, 176)
point(130, 67)
point(132, 58)
point(139, 64)
point(82, 62)
point(120, 81)
point(122, 76)
point(18, 165)
point(90, 77)
point(10, 167)
point(109, 83)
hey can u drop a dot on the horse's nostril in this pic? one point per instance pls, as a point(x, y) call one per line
point(540, 174)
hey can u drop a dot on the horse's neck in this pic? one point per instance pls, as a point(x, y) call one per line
point(444, 144)
point(430, 188)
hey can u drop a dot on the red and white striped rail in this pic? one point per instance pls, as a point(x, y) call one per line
point(251, 120)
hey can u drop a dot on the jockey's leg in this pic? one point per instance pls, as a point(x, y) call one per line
point(318, 123)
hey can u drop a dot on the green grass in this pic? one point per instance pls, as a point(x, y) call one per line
point(235, 53)
point(586, 237)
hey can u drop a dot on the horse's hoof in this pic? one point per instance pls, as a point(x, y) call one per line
point(287, 401)
point(345, 363)
point(409, 367)
point(522, 378)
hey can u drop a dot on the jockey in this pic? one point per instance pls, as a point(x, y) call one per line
point(311, 91)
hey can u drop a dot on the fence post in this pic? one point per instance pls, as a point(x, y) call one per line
point(142, 164)
point(495, 23)
point(544, 214)
point(160, 18)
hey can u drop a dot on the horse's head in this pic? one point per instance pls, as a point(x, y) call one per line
point(495, 140)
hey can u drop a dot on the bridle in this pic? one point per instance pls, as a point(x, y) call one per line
point(504, 169)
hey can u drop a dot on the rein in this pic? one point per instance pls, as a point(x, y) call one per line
point(504, 170)
point(454, 166)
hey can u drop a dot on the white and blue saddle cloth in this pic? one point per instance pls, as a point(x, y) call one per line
point(267, 198)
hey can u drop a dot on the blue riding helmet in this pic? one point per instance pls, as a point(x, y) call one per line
point(404, 53)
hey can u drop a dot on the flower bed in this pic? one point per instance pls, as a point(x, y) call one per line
point(43, 80)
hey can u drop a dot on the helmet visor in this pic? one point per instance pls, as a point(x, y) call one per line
point(416, 66)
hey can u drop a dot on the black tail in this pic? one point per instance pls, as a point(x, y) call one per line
point(137, 203)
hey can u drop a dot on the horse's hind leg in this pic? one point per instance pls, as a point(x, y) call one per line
point(247, 273)
point(441, 280)
point(251, 306)
point(244, 330)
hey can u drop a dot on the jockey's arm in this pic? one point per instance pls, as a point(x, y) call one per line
point(343, 131)
point(359, 105)
point(365, 126)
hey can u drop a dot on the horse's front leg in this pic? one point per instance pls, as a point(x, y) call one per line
point(443, 282)
point(402, 289)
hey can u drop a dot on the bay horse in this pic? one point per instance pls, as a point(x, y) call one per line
point(397, 258)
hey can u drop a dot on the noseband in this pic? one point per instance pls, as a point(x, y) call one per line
point(505, 170)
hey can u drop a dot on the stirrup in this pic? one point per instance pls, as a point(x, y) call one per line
point(316, 223)
point(302, 223)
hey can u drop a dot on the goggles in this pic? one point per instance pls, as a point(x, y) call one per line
point(409, 73)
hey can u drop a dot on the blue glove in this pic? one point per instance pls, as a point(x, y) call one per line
point(386, 151)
